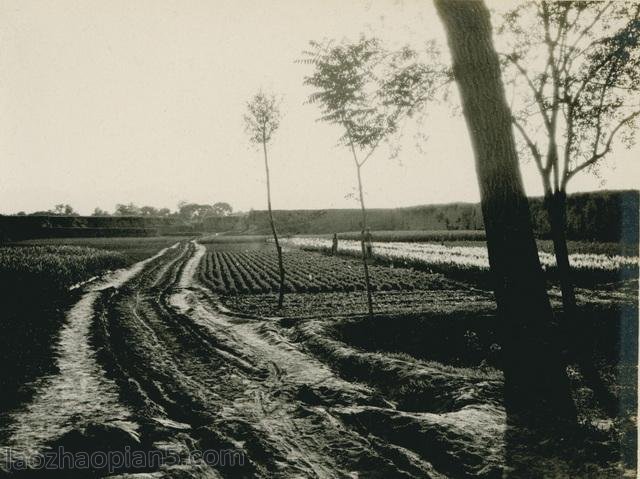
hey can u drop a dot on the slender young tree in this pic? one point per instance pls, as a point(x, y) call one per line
point(367, 91)
point(261, 121)
point(573, 68)
point(536, 385)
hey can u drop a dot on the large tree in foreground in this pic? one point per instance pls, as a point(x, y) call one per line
point(261, 121)
point(574, 71)
point(367, 91)
point(536, 384)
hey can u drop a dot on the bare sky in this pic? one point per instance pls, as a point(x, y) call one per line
point(105, 102)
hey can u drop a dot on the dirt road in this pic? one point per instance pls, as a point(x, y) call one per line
point(158, 365)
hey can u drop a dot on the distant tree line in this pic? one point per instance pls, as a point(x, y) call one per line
point(185, 210)
point(602, 216)
point(61, 209)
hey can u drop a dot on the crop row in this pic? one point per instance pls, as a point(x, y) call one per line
point(473, 260)
point(418, 235)
point(257, 272)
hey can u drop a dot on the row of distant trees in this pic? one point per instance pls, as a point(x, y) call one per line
point(185, 210)
point(61, 209)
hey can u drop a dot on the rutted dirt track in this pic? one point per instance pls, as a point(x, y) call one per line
point(290, 399)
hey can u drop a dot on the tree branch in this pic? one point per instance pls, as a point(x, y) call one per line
point(353, 148)
point(588, 28)
point(552, 127)
point(568, 145)
point(535, 152)
point(393, 118)
point(368, 155)
point(569, 59)
point(537, 92)
point(606, 150)
point(603, 92)
point(591, 75)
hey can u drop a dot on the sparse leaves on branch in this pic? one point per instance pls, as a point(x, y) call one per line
point(262, 118)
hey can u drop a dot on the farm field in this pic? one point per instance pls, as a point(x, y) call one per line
point(133, 249)
point(412, 236)
point(186, 349)
point(257, 272)
point(54, 267)
point(404, 277)
point(432, 318)
point(301, 305)
point(470, 262)
point(477, 238)
point(319, 285)
point(156, 325)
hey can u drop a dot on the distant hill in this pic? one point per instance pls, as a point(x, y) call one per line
point(600, 215)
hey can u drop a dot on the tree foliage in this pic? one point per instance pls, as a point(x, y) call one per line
point(129, 209)
point(63, 209)
point(222, 208)
point(262, 118)
point(196, 211)
point(100, 212)
point(367, 90)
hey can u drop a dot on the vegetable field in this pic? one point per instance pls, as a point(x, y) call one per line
point(472, 262)
point(256, 271)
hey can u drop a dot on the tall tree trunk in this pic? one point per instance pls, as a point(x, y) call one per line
point(367, 279)
point(556, 206)
point(536, 385)
point(273, 228)
point(577, 330)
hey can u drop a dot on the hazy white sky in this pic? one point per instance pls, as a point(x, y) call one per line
point(105, 102)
